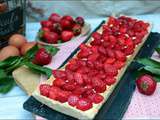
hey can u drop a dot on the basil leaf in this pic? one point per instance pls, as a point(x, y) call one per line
point(158, 49)
point(51, 50)
point(39, 69)
point(155, 71)
point(30, 54)
point(148, 62)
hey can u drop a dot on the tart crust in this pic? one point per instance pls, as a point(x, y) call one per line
point(91, 113)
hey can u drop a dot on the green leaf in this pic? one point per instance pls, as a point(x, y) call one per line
point(157, 78)
point(39, 69)
point(30, 54)
point(52, 50)
point(148, 62)
point(2, 74)
point(40, 33)
point(59, 41)
point(155, 71)
point(158, 48)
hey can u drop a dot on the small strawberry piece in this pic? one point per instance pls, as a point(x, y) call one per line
point(96, 36)
point(72, 67)
point(102, 50)
point(129, 42)
point(59, 74)
point(129, 50)
point(98, 65)
point(69, 86)
point(76, 29)
point(112, 40)
point(73, 100)
point(46, 23)
point(110, 70)
point(111, 21)
point(70, 76)
point(78, 78)
point(53, 92)
point(120, 55)
point(44, 89)
point(66, 36)
point(98, 84)
point(80, 20)
point(93, 57)
point(119, 64)
point(110, 80)
point(63, 96)
point(84, 104)
point(96, 98)
point(58, 82)
point(146, 84)
point(110, 53)
point(66, 24)
point(86, 79)
point(100, 89)
point(55, 18)
point(42, 57)
point(79, 90)
point(51, 37)
point(110, 60)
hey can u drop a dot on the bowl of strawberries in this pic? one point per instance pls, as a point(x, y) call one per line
point(59, 30)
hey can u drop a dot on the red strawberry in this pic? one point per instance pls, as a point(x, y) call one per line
point(69, 18)
point(84, 104)
point(110, 80)
point(93, 57)
point(42, 57)
point(79, 90)
point(66, 36)
point(44, 89)
point(46, 23)
point(129, 50)
point(102, 50)
point(73, 100)
point(98, 65)
point(79, 20)
point(110, 53)
point(110, 60)
point(69, 86)
point(96, 36)
point(51, 37)
point(119, 64)
point(57, 28)
point(100, 89)
point(98, 84)
point(110, 70)
point(63, 96)
point(146, 84)
point(72, 67)
point(54, 92)
point(96, 98)
point(45, 29)
point(76, 29)
point(59, 74)
point(66, 24)
point(78, 78)
point(120, 55)
point(69, 75)
point(55, 18)
point(58, 82)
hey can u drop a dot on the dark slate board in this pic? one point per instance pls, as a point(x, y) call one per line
point(118, 102)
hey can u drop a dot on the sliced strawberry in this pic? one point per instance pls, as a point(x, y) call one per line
point(53, 92)
point(69, 76)
point(79, 90)
point(110, 70)
point(110, 60)
point(78, 78)
point(44, 89)
point(112, 40)
point(58, 82)
point(63, 96)
point(93, 57)
point(110, 80)
point(129, 50)
point(86, 79)
point(83, 54)
point(72, 67)
point(120, 55)
point(69, 87)
point(96, 36)
point(96, 82)
point(100, 89)
point(96, 98)
point(98, 65)
point(90, 64)
point(73, 99)
point(84, 104)
point(119, 64)
point(110, 53)
point(102, 50)
point(59, 74)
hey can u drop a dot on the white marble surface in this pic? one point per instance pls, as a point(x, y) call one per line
point(11, 104)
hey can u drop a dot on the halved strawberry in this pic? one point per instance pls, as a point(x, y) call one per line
point(120, 55)
point(119, 64)
point(78, 78)
point(100, 89)
point(98, 84)
point(96, 36)
point(110, 53)
point(73, 99)
point(53, 92)
point(102, 50)
point(63, 96)
point(58, 82)
point(96, 98)
point(79, 90)
point(44, 89)
point(59, 74)
point(110, 70)
point(110, 61)
point(110, 80)
point(72, 67)
point(93, 57)
point(84, 104)
point(69, 86)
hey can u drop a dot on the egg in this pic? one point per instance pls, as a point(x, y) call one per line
point(26, 47)
point(17, 40)
point(8, 51)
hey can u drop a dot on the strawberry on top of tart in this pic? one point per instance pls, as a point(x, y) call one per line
point(80, 88)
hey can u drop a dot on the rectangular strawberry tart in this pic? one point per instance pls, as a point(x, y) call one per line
point(83, 85)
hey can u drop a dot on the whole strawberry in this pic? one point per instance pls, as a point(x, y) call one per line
point(50, 37)
point(55, 18)
point(69, 18)
point(77, 29)
point(67, 35)
point(80, 21)
point(44, 55)
point(146, 84)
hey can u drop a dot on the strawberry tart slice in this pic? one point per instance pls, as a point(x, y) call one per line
point(83, 85)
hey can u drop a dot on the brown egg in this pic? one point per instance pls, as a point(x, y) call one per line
point(8, 51)
point(17, 40)
point(26, 47)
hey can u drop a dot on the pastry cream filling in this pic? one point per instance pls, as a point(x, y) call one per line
point(89, 114)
